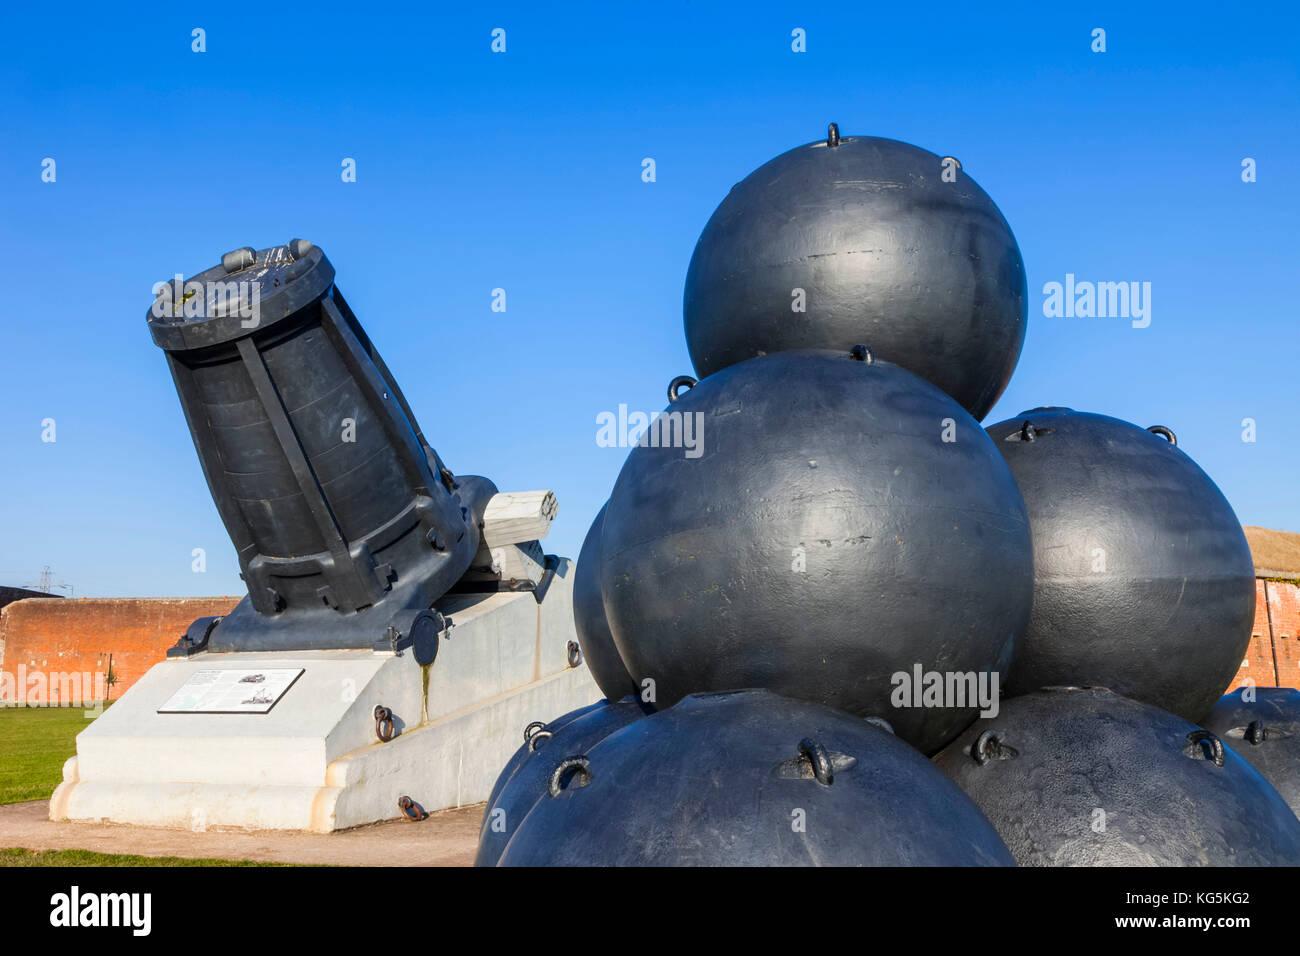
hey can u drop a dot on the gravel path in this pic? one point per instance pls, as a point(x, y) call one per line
point(446, 838)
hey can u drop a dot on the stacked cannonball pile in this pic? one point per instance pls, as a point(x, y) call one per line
point(858, 628)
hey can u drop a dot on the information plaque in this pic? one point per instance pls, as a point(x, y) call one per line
point(231, 691)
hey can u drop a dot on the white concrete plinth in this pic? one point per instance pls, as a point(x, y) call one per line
point(314, 762)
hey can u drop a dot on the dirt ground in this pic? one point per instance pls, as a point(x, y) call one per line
point(446, 838)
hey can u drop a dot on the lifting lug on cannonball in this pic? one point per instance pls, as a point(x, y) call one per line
point(577, 765)
point(1165, 433)
point(989, 746)
point(675, 386)
point(833, 135)
point(819, 760)
point(1202, 743)
point(575, 654)
point(1256, 733)
point(533, 728)
point(860, 353)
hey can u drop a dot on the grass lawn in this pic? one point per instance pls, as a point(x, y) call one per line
point(15, 857)
point(34, 743)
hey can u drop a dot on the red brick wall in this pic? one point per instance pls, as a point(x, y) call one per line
point(1284, 618)
point(1259, 665)
point(1273, 659)
point(76, 636)
point(48, 638)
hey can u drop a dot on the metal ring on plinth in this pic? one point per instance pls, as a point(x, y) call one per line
point(384, 727)
point(411, 810)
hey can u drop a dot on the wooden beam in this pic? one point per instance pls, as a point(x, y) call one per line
point(518, 516)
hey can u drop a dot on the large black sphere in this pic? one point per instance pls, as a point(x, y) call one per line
point(826, 538)
point(597, 643)
point(1083, 777)
point(524, 778)
point(752, 779)
point(1263, 725)
point(1143, 579)
point(924, 271)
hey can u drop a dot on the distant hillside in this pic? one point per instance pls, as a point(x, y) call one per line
point(1276, 553)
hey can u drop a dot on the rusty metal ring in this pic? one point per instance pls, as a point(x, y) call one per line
point(384, 728)
point(674, 387)
point(411, 810)
point(533, 740)
point(820, 760)
point(578, 764)
point(1216, 745)
point(1166, 433)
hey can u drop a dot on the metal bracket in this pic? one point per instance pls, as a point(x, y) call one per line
point(195, 638)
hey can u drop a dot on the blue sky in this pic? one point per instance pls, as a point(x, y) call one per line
point(522, 171)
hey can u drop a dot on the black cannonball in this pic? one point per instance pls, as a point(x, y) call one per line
point(1144, 582)
point(597, 643)
point(839, 522)
point(751, 779)
point(867, 240)
point(1263, 725)
point(1083, 777)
